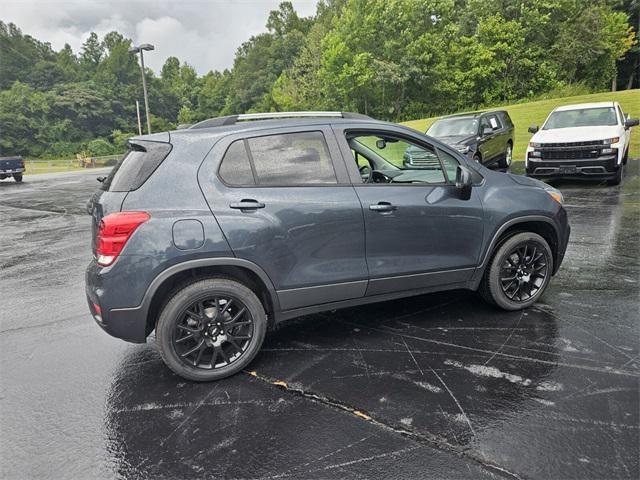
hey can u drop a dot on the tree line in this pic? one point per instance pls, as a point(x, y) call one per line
point(391, 59)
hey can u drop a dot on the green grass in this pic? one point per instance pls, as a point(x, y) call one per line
point(534, 113)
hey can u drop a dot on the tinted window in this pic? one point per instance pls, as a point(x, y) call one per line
point(235, 168)
point(494, 122)
point(136, 166)
point(292, 159)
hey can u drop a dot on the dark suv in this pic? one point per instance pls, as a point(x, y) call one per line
point(486, 137)
point(213, 233)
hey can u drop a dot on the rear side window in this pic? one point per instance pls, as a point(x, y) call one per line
point(292, 159)
point(289, 159)
point(136, 166)
point(235, 168)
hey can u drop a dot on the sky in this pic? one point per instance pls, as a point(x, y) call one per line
point(204, 33)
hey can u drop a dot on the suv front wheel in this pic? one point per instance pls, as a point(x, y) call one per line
point(518, 273)
point(211, 329)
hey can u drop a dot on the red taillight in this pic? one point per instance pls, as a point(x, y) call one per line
point(114, 232)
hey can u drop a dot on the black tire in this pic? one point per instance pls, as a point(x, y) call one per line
point(508, 157)
point(625, 159)
point(617, 180)
point(216, 318)
point(530, 279)
point(476, 158)
point(18, 177)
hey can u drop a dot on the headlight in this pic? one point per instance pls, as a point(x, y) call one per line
point(462, 148)
point(609, 141)
point(554, 193)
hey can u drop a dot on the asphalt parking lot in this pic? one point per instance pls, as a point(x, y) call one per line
point(431, 387)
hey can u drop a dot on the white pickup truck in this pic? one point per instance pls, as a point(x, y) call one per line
point(589, 140)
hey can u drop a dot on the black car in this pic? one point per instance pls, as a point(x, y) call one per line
point(212, 234)
point(486, 137)
point(12, 167)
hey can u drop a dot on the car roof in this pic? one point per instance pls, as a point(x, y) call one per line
point(583, 106)
point(258, 125)
point(473, 114)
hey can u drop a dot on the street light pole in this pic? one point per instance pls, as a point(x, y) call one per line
point(141, 49)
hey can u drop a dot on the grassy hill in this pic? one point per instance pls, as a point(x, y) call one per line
point(534, 113)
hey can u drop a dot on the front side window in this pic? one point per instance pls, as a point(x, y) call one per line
point(292, 159)
point(494, 122)
point(395, 160)
point(584, 117)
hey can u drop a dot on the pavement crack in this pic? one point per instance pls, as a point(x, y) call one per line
point(426, 439)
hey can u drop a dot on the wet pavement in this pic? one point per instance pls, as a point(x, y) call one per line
point(436, 386)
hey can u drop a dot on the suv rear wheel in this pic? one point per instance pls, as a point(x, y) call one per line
point(211, 329)
point(519, 272)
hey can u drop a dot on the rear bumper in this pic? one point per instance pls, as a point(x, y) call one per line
point(11, 172)
point(125, 323)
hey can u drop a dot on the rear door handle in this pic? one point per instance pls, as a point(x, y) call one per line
point(247, 204)
point(383, 207)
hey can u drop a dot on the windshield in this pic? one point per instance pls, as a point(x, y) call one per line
point(453, 127)
point(586, 117)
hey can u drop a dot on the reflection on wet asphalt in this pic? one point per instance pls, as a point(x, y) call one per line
point(434, 386)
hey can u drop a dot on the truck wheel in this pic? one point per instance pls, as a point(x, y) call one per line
point(476, 158)
point(518, 272)
point(508, 157)
point(211, 329)
point(17, 177)
point(618, 178)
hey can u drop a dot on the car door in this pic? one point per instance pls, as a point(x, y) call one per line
point(418, 235)
point(625, 131)
point(284, 204)
point(500, 135)
point(488, 141)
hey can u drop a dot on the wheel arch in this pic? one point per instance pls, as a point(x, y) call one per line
point(237, 269)
point(541, 225)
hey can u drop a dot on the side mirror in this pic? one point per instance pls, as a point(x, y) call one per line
point(487, 131)
point(631, 122)
point(533, 129)
point(380, 144)
point(101, 179)
point(464, 182)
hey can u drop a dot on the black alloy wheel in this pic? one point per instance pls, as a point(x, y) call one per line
point(524, 272)
point(213, 332)
point(211, 328)
point(518, 272)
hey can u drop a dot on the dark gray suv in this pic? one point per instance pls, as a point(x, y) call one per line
point(212, 234)
point(486, 137)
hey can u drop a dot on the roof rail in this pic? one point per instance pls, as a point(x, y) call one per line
point(233, 119)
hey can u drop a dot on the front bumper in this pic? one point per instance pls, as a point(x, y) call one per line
point(125, 323)
point(597, 168)
point(11, 172)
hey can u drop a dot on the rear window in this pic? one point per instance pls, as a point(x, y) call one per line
point(136, 166)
